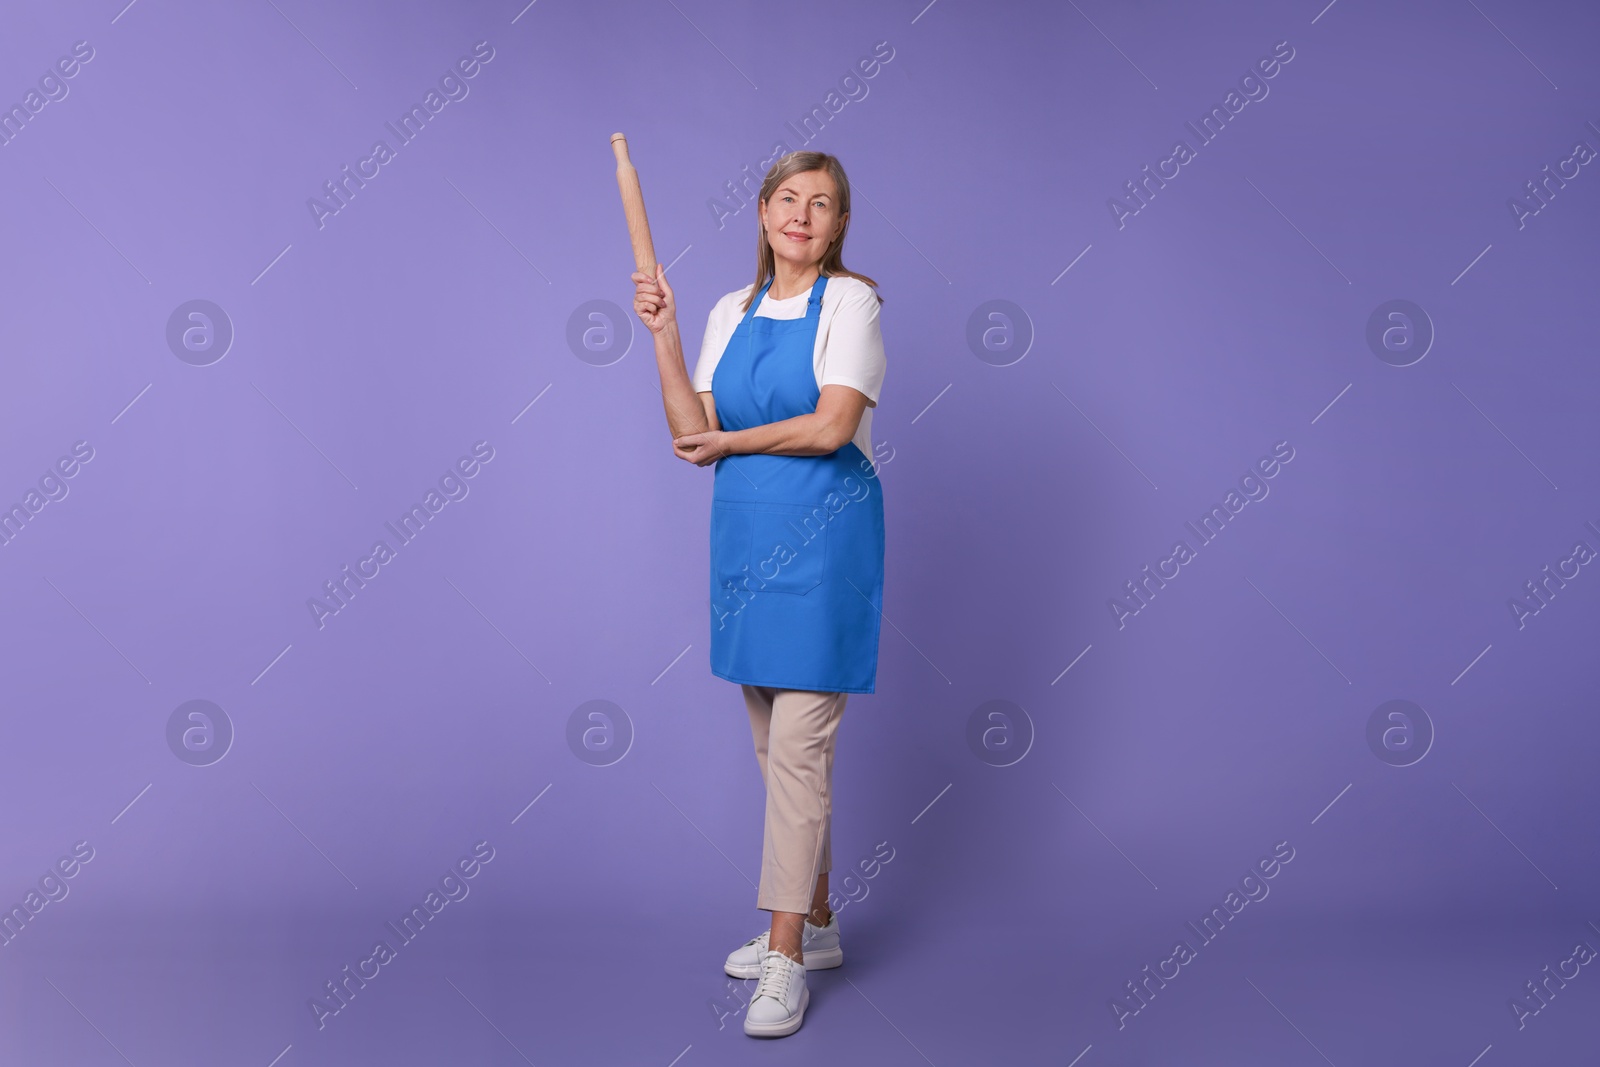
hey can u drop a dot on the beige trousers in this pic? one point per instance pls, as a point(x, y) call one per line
point(794, 730)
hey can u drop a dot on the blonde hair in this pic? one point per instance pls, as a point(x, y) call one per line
point(832, 260)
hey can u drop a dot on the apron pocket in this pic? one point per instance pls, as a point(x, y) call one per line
point(788, 546)
point(730, 546)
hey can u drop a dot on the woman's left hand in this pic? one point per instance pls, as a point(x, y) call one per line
point(701, 448)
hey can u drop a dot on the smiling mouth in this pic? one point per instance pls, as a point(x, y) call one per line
point(796, 235)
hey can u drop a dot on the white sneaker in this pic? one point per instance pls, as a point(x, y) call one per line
point(818, 944)
point(781, 998)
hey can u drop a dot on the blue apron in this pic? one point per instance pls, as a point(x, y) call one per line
point(796, 541)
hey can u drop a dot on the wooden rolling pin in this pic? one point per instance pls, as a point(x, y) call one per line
point(644, 251)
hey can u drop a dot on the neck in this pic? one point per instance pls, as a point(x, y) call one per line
point(788, 280)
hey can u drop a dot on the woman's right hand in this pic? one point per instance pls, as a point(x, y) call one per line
point(653, 300)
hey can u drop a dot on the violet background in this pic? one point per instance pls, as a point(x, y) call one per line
point(1230, 714)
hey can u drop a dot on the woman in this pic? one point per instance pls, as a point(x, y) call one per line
point(780, 402)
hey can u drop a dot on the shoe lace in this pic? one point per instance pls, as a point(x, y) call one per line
point(761, 940)
point(774, 977)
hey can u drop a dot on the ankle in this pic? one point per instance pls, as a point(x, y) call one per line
point(820, 918)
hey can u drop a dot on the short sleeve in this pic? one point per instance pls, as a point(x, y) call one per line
point(711, 347)
point(853, 354)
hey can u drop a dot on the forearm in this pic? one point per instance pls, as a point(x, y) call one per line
point(685, 414)
point(803, 435)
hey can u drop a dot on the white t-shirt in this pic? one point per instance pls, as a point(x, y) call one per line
point(849, 347)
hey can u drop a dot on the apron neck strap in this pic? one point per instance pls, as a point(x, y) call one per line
point(813, 303)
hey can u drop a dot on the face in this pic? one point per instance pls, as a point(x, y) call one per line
point(802, 218)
